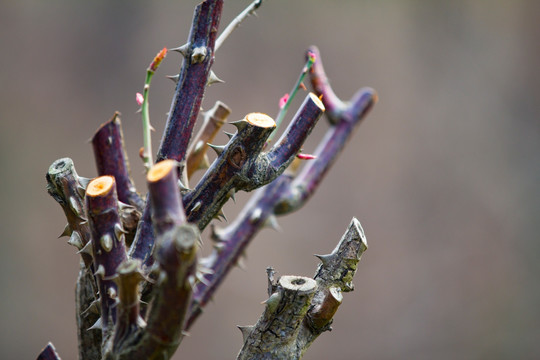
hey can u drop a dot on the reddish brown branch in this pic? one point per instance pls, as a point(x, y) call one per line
point(199, 57)
point(107, 243)
point(111, 159)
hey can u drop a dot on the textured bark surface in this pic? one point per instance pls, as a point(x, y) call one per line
point(300, 309)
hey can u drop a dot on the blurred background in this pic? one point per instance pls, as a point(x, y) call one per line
point(443, 174)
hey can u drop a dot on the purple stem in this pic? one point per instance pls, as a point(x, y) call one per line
point(108, 245)
point(186, 104)
point(308, 180)
point(111, 159)
point(321, 86)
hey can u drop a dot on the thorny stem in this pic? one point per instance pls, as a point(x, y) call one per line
point(236, 22)
point(198, 59)
point(107, 244)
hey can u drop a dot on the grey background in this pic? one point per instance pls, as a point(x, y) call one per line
point(443, 174)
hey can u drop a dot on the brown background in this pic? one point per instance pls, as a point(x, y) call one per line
point(443, 174)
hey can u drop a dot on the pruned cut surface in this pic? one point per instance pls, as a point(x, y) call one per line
point(100, 186)
point(260, 120)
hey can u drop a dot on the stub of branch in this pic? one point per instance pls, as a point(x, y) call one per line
point(274, 335)
point(301, 308)
point(108, 244)
point(111, 159)
point(167, 208)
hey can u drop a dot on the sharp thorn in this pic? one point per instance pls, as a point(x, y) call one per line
point(229, 135)
point(212, 79)
point(217, 149)
point(325, 259)
point(240, 124)
point(97, 325)
point(100, 271)
point(67, 231)
point(75, 240)
point(83, 181)
point(182, 49)
point(241, 263)
point(173, 78)
point(232, 195)
point(271, 222)
point(246, 331)
point(87, 249)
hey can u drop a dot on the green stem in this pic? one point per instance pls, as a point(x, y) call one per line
point(285, 108)
point(147, 128)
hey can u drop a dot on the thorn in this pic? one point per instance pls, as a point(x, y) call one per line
point(67, 231)
point(174, 78)
point(232, 195)
point(106, 242)
point(87, 249)
point(83, 181)
point(75, 240)
point(325, 259)
point(271, 222)
point(204, 270)
point(241, 263)
point(217, 149)
point(213, 79)
point(119, 231)
point(97, 325)
point(240, 124)
point(81, 191)
point(83, 221)
point(246, 331)
point(100, 271)
point(197, 206)
point(229, 135)
point(184, 333)
point(182, 49)
point(221, 215)
point(93, 308)
point(74, 206)
point(182, 186)
point(272, 302)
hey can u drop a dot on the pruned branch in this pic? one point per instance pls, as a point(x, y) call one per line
point(285, 194)
point(241, 165)
point(108, 246)
point(111, 159)
point(300, 308)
